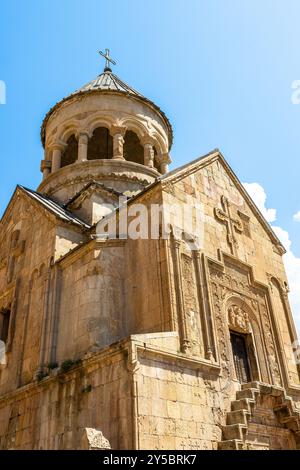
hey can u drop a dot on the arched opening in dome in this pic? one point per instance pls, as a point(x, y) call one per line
point(133, 150)
point(155, 163)
point(71, 153)
point(100, 145)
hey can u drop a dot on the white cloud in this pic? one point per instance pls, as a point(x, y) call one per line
point(259, 196)
point(292, 266)
point(296, 217)
point(291, 262)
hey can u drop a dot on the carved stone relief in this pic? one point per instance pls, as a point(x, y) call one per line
point(191, 305)
point(236, 282)
point(238, 319)
point(233, 224)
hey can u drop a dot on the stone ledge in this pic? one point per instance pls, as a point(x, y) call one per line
point(130, 348)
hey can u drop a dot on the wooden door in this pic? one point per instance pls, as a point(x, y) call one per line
point(240, 357)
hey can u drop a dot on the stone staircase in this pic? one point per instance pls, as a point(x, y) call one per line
point(235, 430)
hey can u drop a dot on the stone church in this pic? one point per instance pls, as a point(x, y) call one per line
point(140, 342)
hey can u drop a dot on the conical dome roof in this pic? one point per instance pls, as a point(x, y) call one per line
point(108, 82)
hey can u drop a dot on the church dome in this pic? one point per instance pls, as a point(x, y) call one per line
point(105, 131)
point(107, 82)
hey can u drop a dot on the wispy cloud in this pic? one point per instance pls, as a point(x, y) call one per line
point(259, 196)
point(296, 216)
point(292, 266)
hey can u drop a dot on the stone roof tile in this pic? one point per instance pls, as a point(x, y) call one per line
point(54, 207)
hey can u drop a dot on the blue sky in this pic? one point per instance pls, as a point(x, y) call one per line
point(222, 70)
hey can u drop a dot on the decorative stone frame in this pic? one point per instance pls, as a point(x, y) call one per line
point(198, 269)
point(231, 278)
point(241, 319)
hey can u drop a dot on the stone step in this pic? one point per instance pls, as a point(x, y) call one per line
point(238, 417)
point(234, 431)
point(243, 404)
point(250, 385)
point(274, 390)
point(277, 391)
point(291, 423)
point(230, 444)
point(266, 389)
point(247, 393)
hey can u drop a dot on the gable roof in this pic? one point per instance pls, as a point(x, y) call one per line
point(193, 166)
point(61, 211)
point(83, 193)
point(51, 205)
point(207, 159)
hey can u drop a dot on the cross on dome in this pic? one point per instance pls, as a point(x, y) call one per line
point(108, 60)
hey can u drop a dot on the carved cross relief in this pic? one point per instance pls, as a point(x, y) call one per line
point(233, 224)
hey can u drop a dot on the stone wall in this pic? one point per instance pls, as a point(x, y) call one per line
point(53, 413)
point(24, 288)
point(179, 408)
point(265, 431)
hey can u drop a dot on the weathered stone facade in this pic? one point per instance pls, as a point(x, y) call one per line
point(128, 343)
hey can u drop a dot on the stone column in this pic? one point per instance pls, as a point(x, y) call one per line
point(164, 162)
point(46, 168)
point(148, 155)
point(185, 343)
point(118, 142)
point(83, 140)
point(56, 157)
point(46, 164)
point(202, 306)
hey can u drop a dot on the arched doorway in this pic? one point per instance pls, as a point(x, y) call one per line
point(242, 342)
point(240, 357)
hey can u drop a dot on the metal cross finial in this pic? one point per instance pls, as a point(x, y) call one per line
point(108, 60)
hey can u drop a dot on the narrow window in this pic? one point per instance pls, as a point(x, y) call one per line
point(4, 324)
